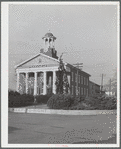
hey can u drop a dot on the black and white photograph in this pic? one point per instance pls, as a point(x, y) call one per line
point(60, 74)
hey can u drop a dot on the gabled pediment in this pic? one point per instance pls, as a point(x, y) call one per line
point(38, 60)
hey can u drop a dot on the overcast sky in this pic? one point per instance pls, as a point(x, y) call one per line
point(88, 33)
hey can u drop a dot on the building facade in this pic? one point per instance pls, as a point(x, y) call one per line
point(79, 81)
point(37, 75)
point(93, 88)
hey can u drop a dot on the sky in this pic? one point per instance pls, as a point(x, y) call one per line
point(85, 33)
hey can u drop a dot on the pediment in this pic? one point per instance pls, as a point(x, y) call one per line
point(39, 60)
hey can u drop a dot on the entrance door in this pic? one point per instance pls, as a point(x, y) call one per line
point(39, 90)
point(49, 82)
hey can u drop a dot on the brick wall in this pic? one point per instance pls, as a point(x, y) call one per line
point(82, 84)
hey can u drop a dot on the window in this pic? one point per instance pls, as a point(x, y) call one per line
point(76, 91)
point(84, 81)
point(81, 79)
point(81, 91)
point(87, 92)
point(87, 81)
point(75, 77)
point(72, 91)
point(72, 76)
point(31, 91)
point(84, 91)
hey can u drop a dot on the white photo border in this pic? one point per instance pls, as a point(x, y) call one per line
point(4, 75)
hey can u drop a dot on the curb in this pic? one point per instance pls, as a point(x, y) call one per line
point(62, 112)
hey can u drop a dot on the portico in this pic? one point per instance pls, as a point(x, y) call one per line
point(41, 81)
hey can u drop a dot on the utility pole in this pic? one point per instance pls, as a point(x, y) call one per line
point(78, 65)
point(77, 90)
point(110, 88)
point(102, 83)
point(102, 77)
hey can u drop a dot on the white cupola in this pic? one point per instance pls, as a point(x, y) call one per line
point(49, 40)
point(49, 45)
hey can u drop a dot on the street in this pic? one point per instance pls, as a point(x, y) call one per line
point(61, 129)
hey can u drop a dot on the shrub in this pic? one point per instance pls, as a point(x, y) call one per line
point(43, 98)
point(111, 103)
point(66, 101)
point(13, 93)
point(18, 100)
point(77, 107)
point(101, 102)
point(82, 98)
point(60, 101)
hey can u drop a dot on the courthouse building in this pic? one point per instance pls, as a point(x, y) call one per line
point(37, 75)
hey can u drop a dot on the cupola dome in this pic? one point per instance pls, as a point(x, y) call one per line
point(49, 35)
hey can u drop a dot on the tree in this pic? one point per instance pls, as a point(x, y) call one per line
point(113, 84)
point(62, 84)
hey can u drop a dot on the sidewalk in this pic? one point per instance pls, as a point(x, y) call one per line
point(43, 109)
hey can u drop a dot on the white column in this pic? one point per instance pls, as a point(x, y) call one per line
point(35, 83)
point(27, 83)
point(45, 80)
point(17, 83)
point(54, 80)
point(69, 79)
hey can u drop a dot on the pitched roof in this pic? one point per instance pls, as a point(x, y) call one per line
point(34, 57)
point(94, 83)
point(78, 69)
